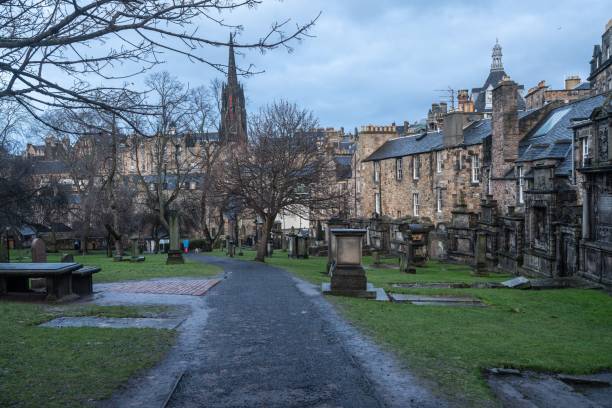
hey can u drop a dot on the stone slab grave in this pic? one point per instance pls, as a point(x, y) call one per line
point(191, 287)
point(530, 389)
point(448, 285)
point(436, 300)
point(114, 323)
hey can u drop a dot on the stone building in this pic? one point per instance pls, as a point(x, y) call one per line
point(594, 163)
point(601, 63)
point(483, 96)
point(541, 94)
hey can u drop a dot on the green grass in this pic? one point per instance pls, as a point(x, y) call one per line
point(70, 367)
point(153, 267)
point(565, 330)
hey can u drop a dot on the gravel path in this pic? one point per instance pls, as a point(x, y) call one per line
point(271, 340)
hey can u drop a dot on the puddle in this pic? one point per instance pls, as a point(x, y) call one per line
point(436, 300)
point(114, 323)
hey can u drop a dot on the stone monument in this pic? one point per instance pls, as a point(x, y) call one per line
point(4, 253)
point(481, 255)
point(175, 256)
point(348, 277)
point(39, 255)
point(66, 258)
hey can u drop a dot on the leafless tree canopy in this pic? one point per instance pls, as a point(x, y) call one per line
point(88, 42)
point(283, 167)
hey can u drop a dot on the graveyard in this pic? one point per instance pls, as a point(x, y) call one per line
point(539, 330)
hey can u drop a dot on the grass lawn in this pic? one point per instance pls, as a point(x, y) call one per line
point(153, 267)
point(71, 367)
point(565, 330)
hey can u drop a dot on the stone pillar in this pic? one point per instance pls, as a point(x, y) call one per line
point(175, 255)
point(481, 255)
point(586, 212)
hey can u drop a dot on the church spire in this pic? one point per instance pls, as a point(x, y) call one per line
point(496, 63)
point(232, 76)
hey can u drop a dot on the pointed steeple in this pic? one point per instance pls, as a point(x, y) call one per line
point(496, 63)
point(232, 76)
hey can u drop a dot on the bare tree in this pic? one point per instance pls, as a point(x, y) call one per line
point(161, 161)
point(282, 168)
point(208, 153)
point(82, 42)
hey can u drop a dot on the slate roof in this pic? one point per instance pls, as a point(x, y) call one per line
point(49, 167)
point(473, 134)
point(552, 138)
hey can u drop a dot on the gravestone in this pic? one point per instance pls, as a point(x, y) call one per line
point(39, 251)
point(39, 255)
point(4, 253)
point(481, 255)
point(66, 258)
point(348, 277)
point(175, 256)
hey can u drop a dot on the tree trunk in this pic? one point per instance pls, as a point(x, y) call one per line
point(262, 245)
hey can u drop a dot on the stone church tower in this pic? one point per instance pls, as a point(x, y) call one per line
point(233, 112)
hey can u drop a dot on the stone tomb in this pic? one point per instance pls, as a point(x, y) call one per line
point(348, 277)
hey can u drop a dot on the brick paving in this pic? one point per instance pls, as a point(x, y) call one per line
point(166, 287)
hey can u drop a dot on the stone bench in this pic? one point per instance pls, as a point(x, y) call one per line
point(82, 280)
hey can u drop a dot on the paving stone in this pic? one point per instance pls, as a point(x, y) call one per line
point(192, 287)
point(113, 323)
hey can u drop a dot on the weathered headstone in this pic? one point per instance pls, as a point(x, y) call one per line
point(39, 255)
point(175, 256)
point(67, 258)
point(4, 253)
point(39, 251)
point(481, 255)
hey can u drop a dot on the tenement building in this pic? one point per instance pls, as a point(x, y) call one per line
point(532, 175)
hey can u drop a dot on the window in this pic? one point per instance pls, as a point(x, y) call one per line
point(585, 151)
point(377, 203)
point(415, 204)
point(521, 185)
point(459, 160)
point(489, 97)
point(439, 162)
point(376, 171)
point(439, 200)
point(603, 142)
point(416, 167)
point(475, 168)
point(398, 169)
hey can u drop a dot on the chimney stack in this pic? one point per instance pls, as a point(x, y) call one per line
point(571, 82)
point(505, 125)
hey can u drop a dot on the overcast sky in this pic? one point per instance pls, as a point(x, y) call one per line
point(382, 61)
